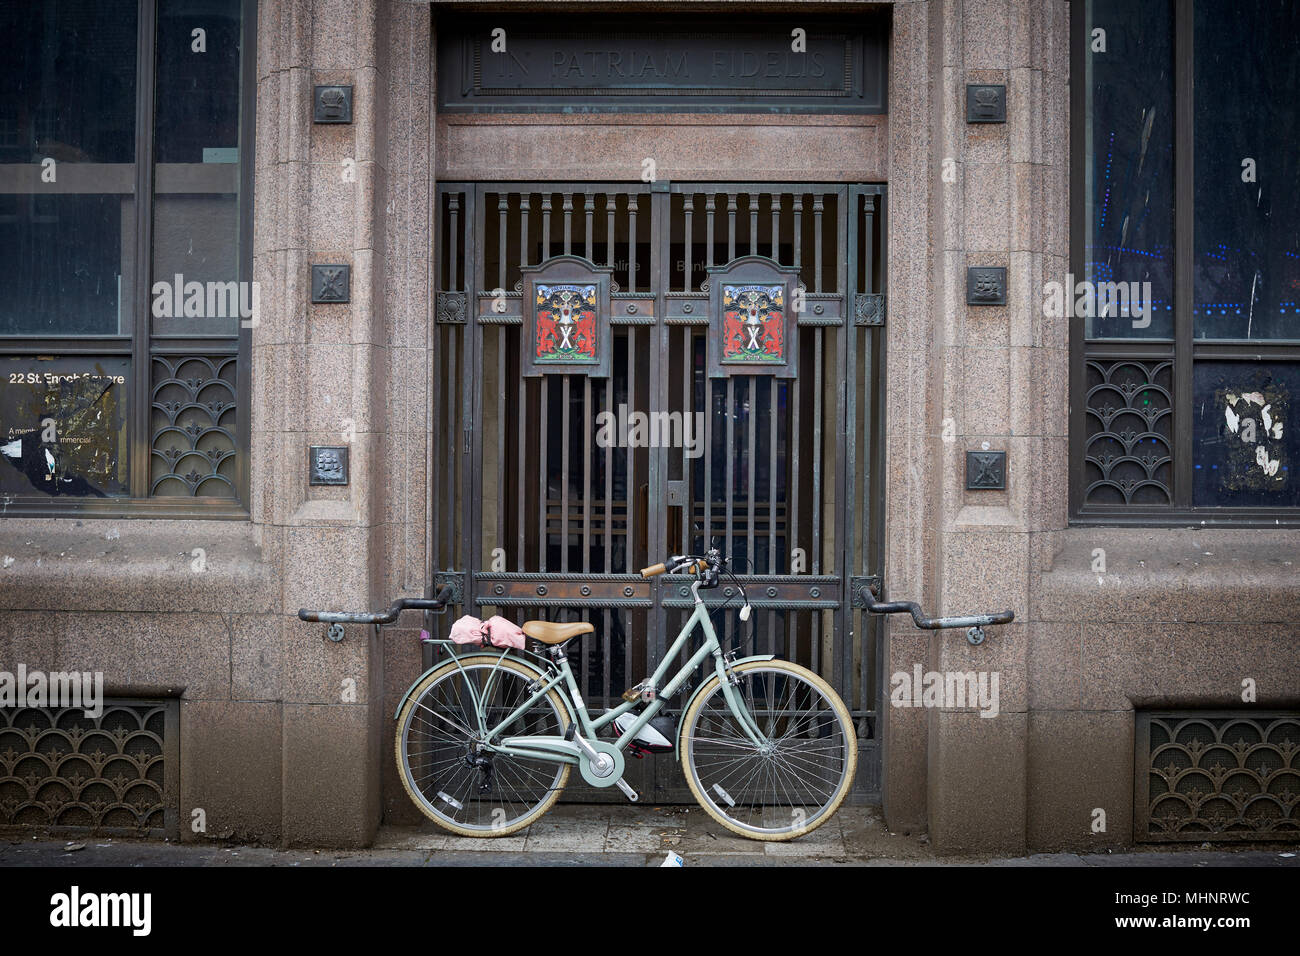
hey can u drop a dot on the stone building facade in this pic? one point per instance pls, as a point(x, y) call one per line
point(269, 742)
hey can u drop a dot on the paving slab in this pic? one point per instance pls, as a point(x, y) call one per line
point(616, 835)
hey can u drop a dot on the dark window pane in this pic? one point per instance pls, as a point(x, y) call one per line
point(1247, 243)
point(69, 81)
point(64, 431)
point(197, 111)
point(67, 228)
point(1244, 434)
point(196, 183)
point(1129, 139)
point(69, 259)
point(196, 266)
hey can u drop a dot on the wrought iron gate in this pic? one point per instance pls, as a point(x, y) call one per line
point(538, 512)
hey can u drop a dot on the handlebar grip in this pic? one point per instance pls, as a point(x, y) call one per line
point(653, 570)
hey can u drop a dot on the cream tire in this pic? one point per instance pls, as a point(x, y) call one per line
point(829, 809)
point(403, 769)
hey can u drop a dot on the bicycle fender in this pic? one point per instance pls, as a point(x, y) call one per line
point(677, 750)
point(402, 703)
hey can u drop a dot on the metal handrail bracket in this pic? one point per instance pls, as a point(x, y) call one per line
point(974, 623)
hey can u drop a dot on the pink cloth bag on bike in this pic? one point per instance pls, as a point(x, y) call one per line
point(495, 630)
point(467, 630)
point(504, 633)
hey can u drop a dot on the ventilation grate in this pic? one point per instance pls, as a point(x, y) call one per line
point(61, 770)
point(1217, 776)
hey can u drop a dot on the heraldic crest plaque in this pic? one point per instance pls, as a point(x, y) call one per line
point(566, 318)
point(753, 328)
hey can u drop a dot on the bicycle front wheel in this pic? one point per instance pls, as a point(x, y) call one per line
point(792, 781)
point(456, 781)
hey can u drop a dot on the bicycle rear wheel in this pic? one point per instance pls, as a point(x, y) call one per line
point(454, 780)
point(791, 784)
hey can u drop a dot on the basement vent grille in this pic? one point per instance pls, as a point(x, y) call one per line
point(62, 771)
point(1217, 776)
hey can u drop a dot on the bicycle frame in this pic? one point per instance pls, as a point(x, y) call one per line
point(557, 749)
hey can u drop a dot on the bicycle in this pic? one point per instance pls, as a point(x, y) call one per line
point(486, 741)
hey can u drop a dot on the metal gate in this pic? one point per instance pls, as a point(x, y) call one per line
point(547, 497)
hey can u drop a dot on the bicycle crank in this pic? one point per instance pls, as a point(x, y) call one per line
point(601, 763)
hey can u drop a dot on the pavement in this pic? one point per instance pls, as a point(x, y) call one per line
point(619, 835)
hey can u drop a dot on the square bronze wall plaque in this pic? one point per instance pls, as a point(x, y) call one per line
point(986, 103)
point(986, 285)
point(327, 465)
point(332, 104)
point(986, 470)
point(331, 283)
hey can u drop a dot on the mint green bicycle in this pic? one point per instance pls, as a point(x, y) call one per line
point(486, 741)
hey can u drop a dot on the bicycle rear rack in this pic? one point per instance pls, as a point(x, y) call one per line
point(974, 624)
point(336, 619)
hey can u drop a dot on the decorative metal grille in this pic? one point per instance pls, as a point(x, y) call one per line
point(1217, 776)
point(193, 449)
point(60, 769)
point(1128, 451)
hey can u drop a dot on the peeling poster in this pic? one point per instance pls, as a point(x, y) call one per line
point(63, 427)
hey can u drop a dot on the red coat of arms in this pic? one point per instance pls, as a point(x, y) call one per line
point(566, 323)
point(753, 323)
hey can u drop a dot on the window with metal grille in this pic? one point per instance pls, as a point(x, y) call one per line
point(126, 300)
point(1184, 288)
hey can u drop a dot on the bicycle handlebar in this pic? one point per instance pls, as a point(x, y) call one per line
point(689, 563)
point(380, 617)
